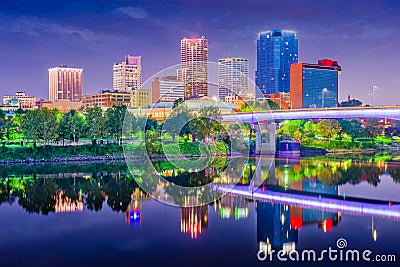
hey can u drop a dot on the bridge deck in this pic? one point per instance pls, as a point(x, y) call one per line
point(392, 112)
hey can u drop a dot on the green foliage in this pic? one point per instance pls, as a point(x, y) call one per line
point(352, 128)
point(383, 140)
point(288, 129)
point(328, 128)
point(71, 126)
point(178, 102)
point(153, 143)
point(177, 124)
point(95, 126)
point(372, 128)
point(114, 122)
point(51, 152)
point(40, 124)
point(267, 104)
point(351, 103)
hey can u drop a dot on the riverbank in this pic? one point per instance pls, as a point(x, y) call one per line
point(113, 152)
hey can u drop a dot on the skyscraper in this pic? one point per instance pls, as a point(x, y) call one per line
point(276, 51)
point(166, 89)
point(65, 83)
point(127, 75)
point(194, 69)
point(314, 85)
point(233, 77)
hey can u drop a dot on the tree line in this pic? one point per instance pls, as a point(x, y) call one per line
point(50, 125)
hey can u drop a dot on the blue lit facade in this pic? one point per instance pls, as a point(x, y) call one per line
point(320, 88)
point(276, 51)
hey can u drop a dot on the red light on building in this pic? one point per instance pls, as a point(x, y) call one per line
point(326, 225)
point(327, 62)
point(296, 222)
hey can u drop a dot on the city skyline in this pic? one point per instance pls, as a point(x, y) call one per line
point(44, 38)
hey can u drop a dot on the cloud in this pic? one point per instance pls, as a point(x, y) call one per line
point(37, 27)
point(133, 12)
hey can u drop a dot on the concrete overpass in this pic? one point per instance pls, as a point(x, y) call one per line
point(262, 121)
point(389, 112)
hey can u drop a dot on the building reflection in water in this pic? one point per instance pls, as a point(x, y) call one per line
point(233, 207)
point(278, 224)
point(194, 220)
point(66, 204)
point(274, 231)
point(133, 214)
point(325, 220)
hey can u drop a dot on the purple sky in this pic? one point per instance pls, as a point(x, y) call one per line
point(363, 36)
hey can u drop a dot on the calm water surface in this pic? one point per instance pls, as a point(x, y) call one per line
point(96, 215)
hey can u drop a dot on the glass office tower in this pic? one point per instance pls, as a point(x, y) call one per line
point(314, 85)
point(276, 51)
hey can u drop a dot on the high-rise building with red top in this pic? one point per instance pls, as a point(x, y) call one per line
point(314, 85)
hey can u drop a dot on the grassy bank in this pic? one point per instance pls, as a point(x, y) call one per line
point(51, 152)
point(13, 153)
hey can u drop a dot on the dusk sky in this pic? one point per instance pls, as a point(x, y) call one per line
point(364, 36)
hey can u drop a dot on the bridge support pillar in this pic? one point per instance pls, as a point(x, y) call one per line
point(265, 138)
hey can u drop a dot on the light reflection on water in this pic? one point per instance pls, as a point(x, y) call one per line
point(99, 216)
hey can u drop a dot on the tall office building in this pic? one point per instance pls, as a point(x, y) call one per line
point(127, 75)
point(65, 83)
point(233, 77)
point(166, 89)
point(276, 51)
point(314, 85)
point(194, 69)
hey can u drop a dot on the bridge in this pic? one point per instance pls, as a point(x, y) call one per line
point(390, 112)
point(361, 207)
point(262, 121)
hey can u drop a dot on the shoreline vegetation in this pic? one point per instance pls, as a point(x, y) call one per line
point(113, 152)
point(92, 134)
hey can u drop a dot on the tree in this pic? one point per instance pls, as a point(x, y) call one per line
point(40, 124)
point(3, 122)
point(74, 125)
point(310, 128)
point(288, 128)
point(351, 103)
point(372, 128)
point(273, 105)
point(95, 127)
point(352, 128)
point(114, 121)
point(177, 123)
point(211, 112)
point(178, 102)
point(394, 130)
point(267, 104)
point(210, 121)
point(328, 129)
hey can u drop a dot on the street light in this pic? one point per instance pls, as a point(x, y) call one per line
point(373, 93)
point(323, 96)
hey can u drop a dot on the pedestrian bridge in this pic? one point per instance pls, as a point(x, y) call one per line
point(389, 112)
